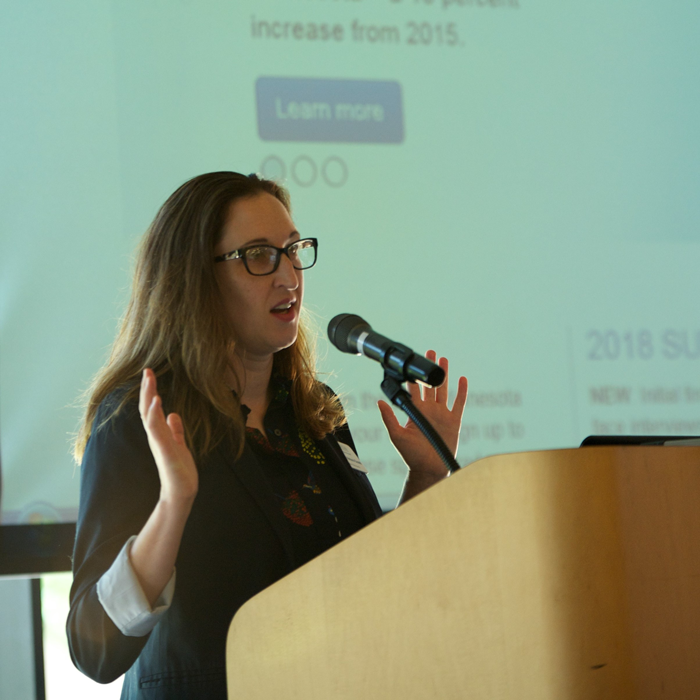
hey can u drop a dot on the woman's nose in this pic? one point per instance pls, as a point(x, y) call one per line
point(287, 275)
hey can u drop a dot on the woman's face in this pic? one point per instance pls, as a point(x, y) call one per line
point(263, 310)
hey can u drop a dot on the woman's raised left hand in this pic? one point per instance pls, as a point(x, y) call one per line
point(411, 444)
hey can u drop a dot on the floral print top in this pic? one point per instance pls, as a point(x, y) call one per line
point(312, 497)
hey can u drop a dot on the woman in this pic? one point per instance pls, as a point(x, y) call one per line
point(213, 461)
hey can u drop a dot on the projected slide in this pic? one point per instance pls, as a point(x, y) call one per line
point(508, 182)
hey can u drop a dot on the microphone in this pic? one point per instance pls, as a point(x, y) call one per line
point(352, 334)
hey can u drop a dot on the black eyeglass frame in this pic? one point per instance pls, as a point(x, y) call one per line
point(240, 254)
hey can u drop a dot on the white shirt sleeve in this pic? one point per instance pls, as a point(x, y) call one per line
point(124, 601)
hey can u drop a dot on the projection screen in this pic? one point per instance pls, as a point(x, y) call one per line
point(513, 183)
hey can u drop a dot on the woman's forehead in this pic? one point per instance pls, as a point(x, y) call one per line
point(258, 219)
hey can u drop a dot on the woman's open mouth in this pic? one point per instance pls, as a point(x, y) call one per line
point(286, 310)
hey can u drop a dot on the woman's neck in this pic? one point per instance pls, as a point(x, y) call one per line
point(255, 374)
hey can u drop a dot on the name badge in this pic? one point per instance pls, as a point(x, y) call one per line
point(352, 458)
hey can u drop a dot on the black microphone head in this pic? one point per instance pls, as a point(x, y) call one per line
point(340, 328)
point(436, 376)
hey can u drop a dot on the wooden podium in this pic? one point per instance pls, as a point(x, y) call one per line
point(557, 575)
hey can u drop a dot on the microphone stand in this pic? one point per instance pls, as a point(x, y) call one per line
point(392, 386)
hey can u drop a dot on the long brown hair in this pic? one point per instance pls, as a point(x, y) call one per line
point(175, 324)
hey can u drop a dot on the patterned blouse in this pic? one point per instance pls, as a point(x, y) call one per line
point(317, 507)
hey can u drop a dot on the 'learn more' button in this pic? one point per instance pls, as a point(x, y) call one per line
point(318, 109)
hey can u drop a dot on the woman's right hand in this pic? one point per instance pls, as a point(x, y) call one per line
point(179, 480)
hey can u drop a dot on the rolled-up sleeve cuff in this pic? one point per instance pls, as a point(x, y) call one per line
point(124, 601)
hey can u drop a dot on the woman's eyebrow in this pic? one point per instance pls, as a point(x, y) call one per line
point(266, 241)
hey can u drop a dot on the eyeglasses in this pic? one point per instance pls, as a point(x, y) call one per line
point(265, 259)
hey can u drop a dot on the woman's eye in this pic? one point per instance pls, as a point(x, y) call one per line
point(256, 253)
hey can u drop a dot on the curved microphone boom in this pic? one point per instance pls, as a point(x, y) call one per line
point(352, 334)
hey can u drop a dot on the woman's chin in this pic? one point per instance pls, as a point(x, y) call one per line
point(284, 340)
point(288, 344)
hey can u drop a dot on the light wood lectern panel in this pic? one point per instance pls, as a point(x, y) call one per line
point(557, 575)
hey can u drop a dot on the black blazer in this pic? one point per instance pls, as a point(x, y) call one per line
point(236, 542)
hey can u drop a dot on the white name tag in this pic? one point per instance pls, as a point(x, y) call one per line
point(352, 458)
